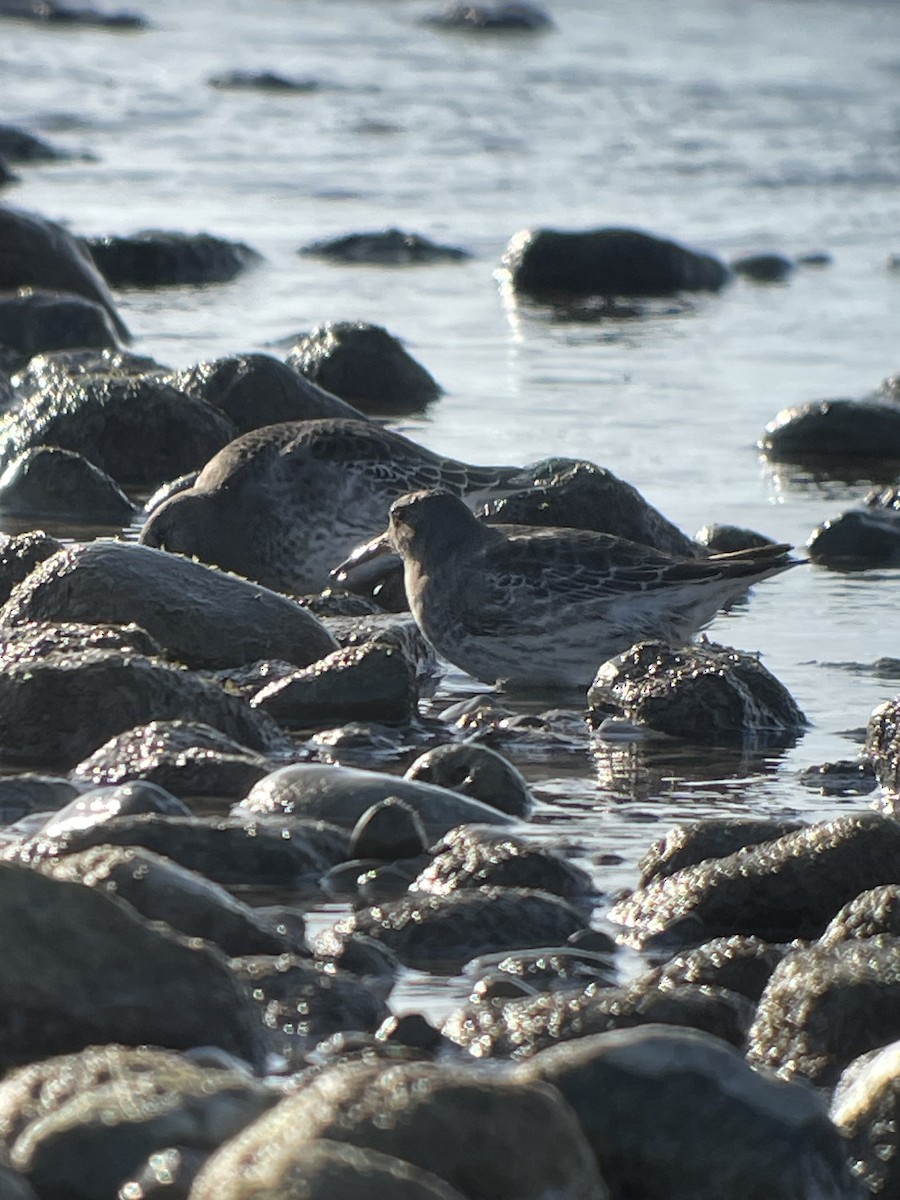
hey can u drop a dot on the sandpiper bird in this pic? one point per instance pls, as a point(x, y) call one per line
point(283, 504)
point(544, 607)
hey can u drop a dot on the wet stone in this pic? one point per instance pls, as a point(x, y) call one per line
point(741, 964)
point(826, 1005)
point(869, 914)
point(184, 757)
point(725, 539)
point(161, 258)
point(714, 837)
point(659, 1107)
point(262, 81)
point(866, 1110)
point(48, 482)
point(883, 744)
point(778, 890)
point(33, 321)
point(20, 146)
point(707, 693)
point(846, 777)
point(19, 555)
point(834, 432)
point(388, 247)
point(763, 268)
point(28, 793)
point(93, 807)
point(388, 830)
point(551, 968)
point(477, 771)
point(364, 365)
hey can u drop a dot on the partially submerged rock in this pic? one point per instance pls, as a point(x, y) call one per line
point(477, 771)
point(764, 268)
point(163, 258)
point(33, 321)
point(548, 264)
point(712, 837)
point(388, 247)
point(834, 433)
point(201, 616)
point(704, 692)
point(508, 16)
point(882, 746)
point(860, 538)
point(262, 81)
point(364, 365)
point(46, 482)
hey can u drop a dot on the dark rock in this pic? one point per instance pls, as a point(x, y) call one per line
point(847, 777)
point(740, 964)
point(59, 709)
point(33, 321)
point(184, 757)
point(361, 956)
point(673, 1113)
point(231, 852)
point(866, 1110)
point(22, 795)
point(7, 174)
point(858, 540)
point(869, 914)
point(580, 495)
point(763, 268)
point(834, 433)
point(474, 858)
point(824, 1006)
point(545, 264)
point(78, 1125)
point(157, 258)
point(364, 365)
point(41, 254)
point(166, 1175)
point(388, 830)
point(253, 390)
point(725, 539)
point(261, 81)
point(35, 640)
point(411, 1030)
point(48, 482)
point(81, 968)
point(778, 890)
point(440, 933)
point(19, 555)
point(520, 1028)
point(342, 794)
point(91, 808)
point(199, 615)
point(549, 968)
point(49, 12)
point(476, 771)
point(372, 681)
point(814, 258)
point(162, 890)
point(389, 247)
point(44, 372)
point(882, 747)
point(713, 837)
point(509, 16)
point(707, 693)
point(137, 429)
point(19, 146)
point(487, 1135)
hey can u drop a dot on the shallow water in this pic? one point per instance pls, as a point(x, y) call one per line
point(734, 127)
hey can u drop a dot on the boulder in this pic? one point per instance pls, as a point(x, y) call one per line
point(388, 247)
point(834, 433)
point(34, 322)
point(866, 1110)
point(46, 482)
point(477, 771)
point(160, 258)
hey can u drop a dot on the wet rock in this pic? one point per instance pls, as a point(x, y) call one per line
point(882, 746)
point(231, 852)
point(860, 538)
point(726, 539)
point(866, 1110)
point(834, 433)
point(714, 837)
point(549, 968)
point(490, 1137)
point(253, 390)
point(137, 429)
point(161, 258)
point(741, 964)
point(201, 616)
point(869, 914)
point(33, 322)
point(304, 1004)
point(184, 757)
point(777, 891)
point(7, 174)
point(44, 372)
point(846, 777)
point(58, 710)
point(475, 858)
point(707, 693)
point(364, 365)
point(41, 254)
point(80, 968)
point(35, 640)
point(343, 794)
point(162, 890)
point(824, 1006)
point(763, 268)
point(364, 957)
point(21, 795)
point(475, 771)
point(388, 247)
point(19, 555)
point(78, 1125)
point(91, 808)
point(580, 495)
point(519, 1028)
point(547, 263)
point(674, 1114)
point(19, 146)
point(510, 16)
point(166, 1175)
point(50, 12)
point(49, 482)
point(440, 933)
point(372, 681)
point(261, 81)
point(388, 830)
